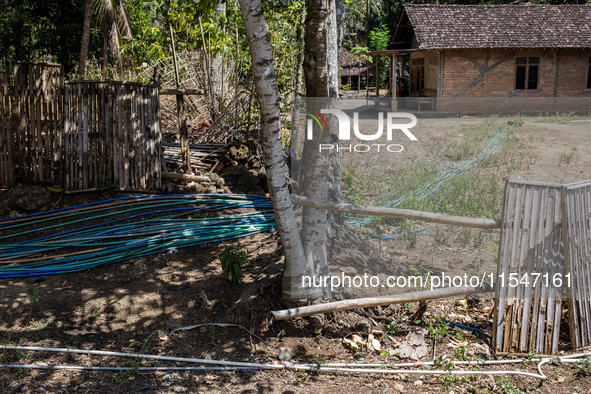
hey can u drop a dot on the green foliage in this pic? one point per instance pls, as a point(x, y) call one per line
point(390, 329)
point(379, 38)
point(232, 258)
point(584, 366)
point(440, 329)
point(506, 384)
point(351, 186)
point(41, 30)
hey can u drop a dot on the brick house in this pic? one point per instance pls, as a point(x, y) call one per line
point(503, 51)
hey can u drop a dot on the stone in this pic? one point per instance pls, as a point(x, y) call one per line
point(316, 321)
point(284, 354)
point(475, 349)
point(487, 381)
point(29, 198)
point(203, 300)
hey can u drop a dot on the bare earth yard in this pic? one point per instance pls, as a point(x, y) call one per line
point(129, 306)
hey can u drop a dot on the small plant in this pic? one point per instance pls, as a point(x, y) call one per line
point(390, 328)
point(448, 366)
point(281, 334)
point(585, 366)
point(317, 331)
point(318, 358)
point(478, 239)
point(440, 329)
point(411, 237)
point(35, 296)
point(465, 237)
point(232, 258)
point(505, 383)
point(567, 158)
point(440, 237)
point(530, 356)
point(460, 353)
point(420, 272)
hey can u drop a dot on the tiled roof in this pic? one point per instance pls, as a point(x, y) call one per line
point(349, 63)
point(500, 26)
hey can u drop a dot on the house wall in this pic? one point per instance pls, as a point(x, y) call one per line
point(431, 73)
point(491, 73)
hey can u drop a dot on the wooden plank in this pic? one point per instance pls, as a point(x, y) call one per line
point(511, 304)
point(575, 325)
point(150, 139)
point(141, 151)
point(67, 132)
point(10, 129)
point(578, 259)
point(84, 138)
point(184, 133)
point(37, 124)
point(180, 92)
point(5, 165)
point(557, 268)
point(106, 129)
point(530, 261)
point(517, 318)
point(119, 134)
point(134, 136)
point(502, 266)
point(126, 131)
point(80, 137)
point(540, 295)
point(547, 291)
point(146, 137)
point(157, 147)
point(586, 225)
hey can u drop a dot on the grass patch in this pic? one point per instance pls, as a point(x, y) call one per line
point(561, 118)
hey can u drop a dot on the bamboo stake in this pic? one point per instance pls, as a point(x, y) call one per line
point(399, 213)
point(208, 71)
point(185, 177)
point(412, 296)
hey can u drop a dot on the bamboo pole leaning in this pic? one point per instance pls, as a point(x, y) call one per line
point(400, 213)
point(413, 296)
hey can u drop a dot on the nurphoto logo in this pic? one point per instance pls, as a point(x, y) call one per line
point(344, 132)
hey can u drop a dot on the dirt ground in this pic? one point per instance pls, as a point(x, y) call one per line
point(133, 306)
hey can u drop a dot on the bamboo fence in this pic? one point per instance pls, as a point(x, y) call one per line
point(576, 207)
point(6, 153)
point(32, 131)
point(112, 136)
point(528, 299)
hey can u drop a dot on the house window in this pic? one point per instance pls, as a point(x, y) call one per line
point(589, 74)
point(526, 73)
point(418, 71)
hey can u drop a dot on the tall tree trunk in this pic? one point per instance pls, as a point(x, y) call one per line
point(85, 37)
point(321, 172)
point(261, 52)
point(112, 32)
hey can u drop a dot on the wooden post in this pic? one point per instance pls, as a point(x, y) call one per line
point(393, 83)
point(208, 71)
point(377, 102)
point(180, 108)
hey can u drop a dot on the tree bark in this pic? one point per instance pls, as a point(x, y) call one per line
point(112, 32)
point(85, 37)
point(261, 52)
